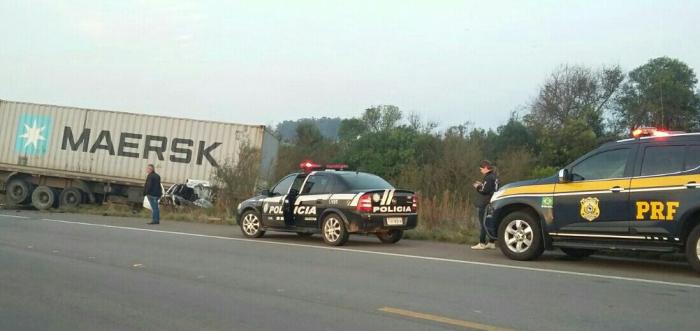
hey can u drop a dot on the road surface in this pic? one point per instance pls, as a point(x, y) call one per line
point(79, 272)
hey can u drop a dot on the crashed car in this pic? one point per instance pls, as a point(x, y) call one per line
point(193, 193)
point(333, 202)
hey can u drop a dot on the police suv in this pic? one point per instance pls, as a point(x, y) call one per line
point(638, 194)
point(332, 202)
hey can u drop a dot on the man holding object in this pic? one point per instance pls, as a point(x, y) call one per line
point(153, 191)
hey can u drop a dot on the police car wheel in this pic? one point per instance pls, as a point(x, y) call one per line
point(251, 226)
point(692, 248)
point(520, 237)
point(577, 253)
point(305, 234)
point(390, 236)
point(333, 230)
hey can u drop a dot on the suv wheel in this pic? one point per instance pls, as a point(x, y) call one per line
point(520, 236)
point(333, 230)
point(251, 226)
point(390, 236)
point(692, 248)
point(577, 253)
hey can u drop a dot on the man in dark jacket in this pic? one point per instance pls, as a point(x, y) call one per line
point(153, 191)
point(486, 189)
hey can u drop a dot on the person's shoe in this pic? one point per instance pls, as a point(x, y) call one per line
point(479, 246)
point(490, 246)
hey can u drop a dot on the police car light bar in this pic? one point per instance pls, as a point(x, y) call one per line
point(336, 166)
point(309, 166)
point(648, 131)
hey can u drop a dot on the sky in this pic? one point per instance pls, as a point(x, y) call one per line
point(262, 62)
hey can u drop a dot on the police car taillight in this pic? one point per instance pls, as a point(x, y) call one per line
point(414, 203)
point(364, 205)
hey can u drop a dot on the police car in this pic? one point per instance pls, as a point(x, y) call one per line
point(638, 194)
point(333, 202)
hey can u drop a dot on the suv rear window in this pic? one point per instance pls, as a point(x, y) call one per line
point(660, 160)
point(363, 181)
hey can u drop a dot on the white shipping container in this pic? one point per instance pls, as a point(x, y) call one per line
point(115, 147)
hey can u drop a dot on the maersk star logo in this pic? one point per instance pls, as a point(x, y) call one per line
point(33, 132)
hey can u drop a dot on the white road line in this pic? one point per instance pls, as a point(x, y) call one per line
point(418, 257)
point(13, 216)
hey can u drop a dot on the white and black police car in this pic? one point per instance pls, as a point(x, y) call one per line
point(333, 202)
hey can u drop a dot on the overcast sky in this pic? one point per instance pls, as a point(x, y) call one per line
point(263, 62)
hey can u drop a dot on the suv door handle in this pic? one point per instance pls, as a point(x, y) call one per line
point(692, 185)
point(616, 189)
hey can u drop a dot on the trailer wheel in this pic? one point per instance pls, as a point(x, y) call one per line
point(43, 197)
point(70, 198)
point(19, 191)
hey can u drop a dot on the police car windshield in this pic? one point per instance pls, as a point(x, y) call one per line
point(363, 181)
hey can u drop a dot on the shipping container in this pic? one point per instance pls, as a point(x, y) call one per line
point(106, 152)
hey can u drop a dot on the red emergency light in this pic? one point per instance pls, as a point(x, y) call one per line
point(648, 132)
point(309, 166)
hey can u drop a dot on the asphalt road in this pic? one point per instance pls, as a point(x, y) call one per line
point(78, 272)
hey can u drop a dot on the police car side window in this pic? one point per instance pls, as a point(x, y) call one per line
point(316, 185)
point(283, 186)
point(660, 160)
point(692, 159)
point(605, 165)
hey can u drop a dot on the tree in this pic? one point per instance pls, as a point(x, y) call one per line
point(569, 111)
point(660, 93)
point(382, 117)
point(575, 92)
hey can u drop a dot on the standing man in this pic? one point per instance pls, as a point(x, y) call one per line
point(486, 189)
point(153, 191)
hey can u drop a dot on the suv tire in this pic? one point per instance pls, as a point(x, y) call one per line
point(520, 236)
point(692, 248)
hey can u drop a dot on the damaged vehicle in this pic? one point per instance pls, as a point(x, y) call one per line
point(193, 193)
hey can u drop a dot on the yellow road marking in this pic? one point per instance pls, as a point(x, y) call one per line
point(442, 319)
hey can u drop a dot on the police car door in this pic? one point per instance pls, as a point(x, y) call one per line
point(273, 207)
point(664, 188)
point(313, 198)
point(597, 198)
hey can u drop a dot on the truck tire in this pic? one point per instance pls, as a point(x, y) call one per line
point(577, 253)
point(19, 191)
point(390, 237)
point(71, 197)
point(251, 224)
point(43, 197)
point(520, 236)
point(333, 230)
point(692, 248)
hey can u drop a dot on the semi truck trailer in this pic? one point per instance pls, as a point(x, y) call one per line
point(55, 156)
